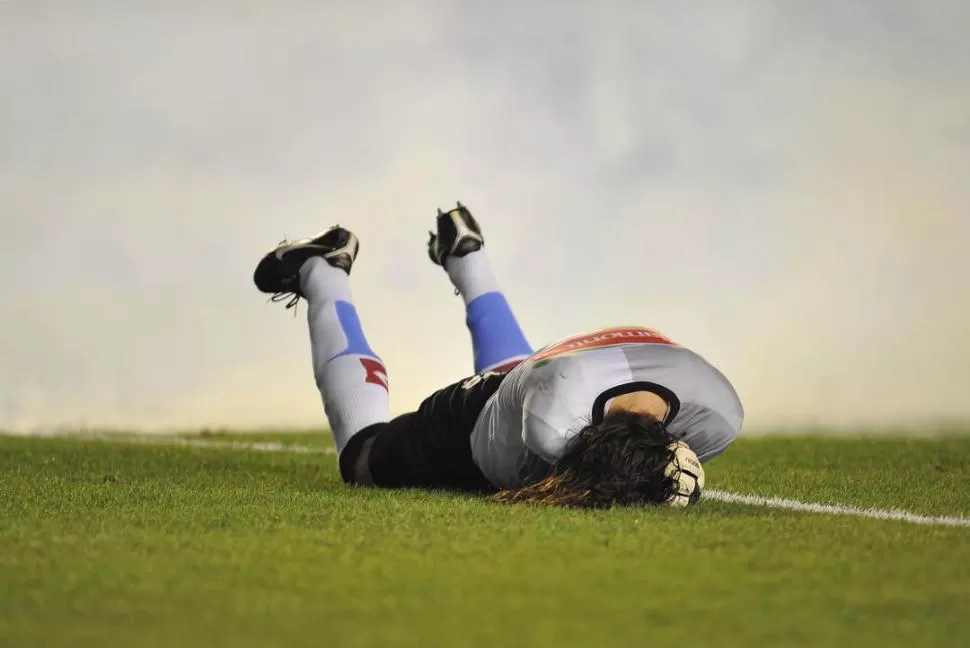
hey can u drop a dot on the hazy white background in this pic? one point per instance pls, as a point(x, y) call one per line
point(782, 186)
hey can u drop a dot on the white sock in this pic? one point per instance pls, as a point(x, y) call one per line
point(471, 275)
point(351, 378)
point(321, 281)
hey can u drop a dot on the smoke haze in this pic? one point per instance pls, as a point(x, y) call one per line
point(781, 186)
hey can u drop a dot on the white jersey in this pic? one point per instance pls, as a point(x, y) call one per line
point(546, 400)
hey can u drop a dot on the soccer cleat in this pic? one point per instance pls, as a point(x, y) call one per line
point(458, 235)
point(278, 273)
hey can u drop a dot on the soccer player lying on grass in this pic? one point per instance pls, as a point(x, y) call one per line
point(611, 417)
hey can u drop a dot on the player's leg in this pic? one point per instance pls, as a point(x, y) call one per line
point(458, 246)
point(428, 448)
point(351, 378)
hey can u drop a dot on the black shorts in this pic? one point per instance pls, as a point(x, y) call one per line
point(428, 448)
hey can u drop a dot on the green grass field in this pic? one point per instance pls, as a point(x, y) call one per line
point(117, 544)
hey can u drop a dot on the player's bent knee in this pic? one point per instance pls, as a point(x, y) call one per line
point(354, 459)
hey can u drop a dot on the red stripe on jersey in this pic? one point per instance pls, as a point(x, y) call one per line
point(601, 339)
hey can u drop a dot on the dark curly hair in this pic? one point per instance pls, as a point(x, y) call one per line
point(619, 461)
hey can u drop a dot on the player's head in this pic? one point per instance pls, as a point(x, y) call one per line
point(623, 460)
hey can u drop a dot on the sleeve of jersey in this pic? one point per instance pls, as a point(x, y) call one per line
point(709, 433)
point(538, 434)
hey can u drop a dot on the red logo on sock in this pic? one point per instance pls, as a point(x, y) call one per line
point(376, 373)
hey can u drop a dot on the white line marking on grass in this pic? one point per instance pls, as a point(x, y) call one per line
point(711, 494)
point(835, 509)
point(258, 446)
point(192, 442)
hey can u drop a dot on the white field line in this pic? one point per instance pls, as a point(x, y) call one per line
point(710, 494)
point(194, 442)
point(835, 509)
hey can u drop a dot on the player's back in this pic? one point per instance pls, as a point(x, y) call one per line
point(545, 401)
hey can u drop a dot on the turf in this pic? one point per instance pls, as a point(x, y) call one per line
point(114, 544)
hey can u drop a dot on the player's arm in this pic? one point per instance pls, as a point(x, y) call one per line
point(708, 433)
point(540, 435)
